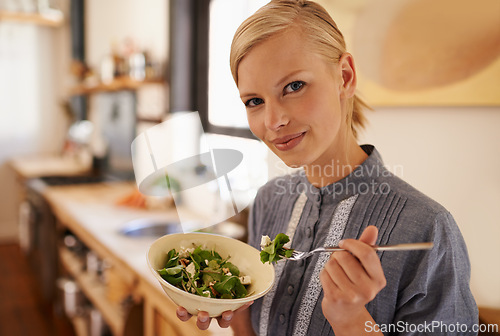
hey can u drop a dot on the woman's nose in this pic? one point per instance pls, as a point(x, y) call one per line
point(275, 117)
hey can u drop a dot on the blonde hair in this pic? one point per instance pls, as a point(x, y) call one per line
point(315, 23)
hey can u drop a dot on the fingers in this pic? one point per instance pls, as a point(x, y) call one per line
point(362, 250)
point(369, 235)
point(203, 320)
point(364, 254)
point(349, 271)
point(352, 283)
point(354, 275)
point(348, 278)
point(330, 287)
point(182, 314)
point(226, 318)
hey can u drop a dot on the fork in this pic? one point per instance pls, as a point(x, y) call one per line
point(298, 255)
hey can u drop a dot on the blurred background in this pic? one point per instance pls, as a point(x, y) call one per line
point(80, 79)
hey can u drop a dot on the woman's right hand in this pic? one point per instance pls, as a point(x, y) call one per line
point(203, 320)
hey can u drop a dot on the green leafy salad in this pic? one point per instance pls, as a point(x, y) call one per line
point(205, 273)
point(274, 250)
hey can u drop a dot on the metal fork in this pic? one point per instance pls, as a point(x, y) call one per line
point(298, 255)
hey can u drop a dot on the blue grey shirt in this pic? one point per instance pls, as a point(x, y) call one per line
point(426, 292)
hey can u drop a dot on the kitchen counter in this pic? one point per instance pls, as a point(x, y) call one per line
point(90, 212)
point(48, 165)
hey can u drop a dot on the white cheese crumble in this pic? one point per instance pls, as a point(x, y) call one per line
point(184, 252)
point(265, 241)
point(245, 280)
point(191, 269)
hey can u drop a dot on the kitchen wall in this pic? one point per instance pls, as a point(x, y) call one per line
point(34, 63)
point(112, 21)
point(35, 66)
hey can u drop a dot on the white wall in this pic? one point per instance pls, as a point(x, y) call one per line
point(112, 21)
point(30, 89)
point(452, 155)
point(34, 61)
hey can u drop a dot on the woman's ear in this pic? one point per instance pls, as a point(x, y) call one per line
point(348, 74)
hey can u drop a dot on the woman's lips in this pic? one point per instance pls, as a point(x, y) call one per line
point(288, 142)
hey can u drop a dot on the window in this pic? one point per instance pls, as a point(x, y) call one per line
point(226, 112)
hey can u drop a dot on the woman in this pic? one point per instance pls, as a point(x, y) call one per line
point(298, 84)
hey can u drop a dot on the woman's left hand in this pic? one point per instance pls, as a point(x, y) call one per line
point(350, 280)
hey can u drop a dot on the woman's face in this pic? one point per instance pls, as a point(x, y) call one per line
point(294, 100)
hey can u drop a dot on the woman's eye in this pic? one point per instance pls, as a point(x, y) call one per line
point(253, 102)
point(294, 86)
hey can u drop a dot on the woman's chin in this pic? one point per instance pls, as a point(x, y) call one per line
point(292, 162)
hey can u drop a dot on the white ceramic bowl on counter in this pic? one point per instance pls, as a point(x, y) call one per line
point(244, 256)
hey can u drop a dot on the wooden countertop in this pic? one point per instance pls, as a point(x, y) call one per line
point(89, 211)
point(47, 165)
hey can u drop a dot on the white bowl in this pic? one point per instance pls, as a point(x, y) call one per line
point(243, 256)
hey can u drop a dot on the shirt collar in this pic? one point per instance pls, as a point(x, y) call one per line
point(361, 180)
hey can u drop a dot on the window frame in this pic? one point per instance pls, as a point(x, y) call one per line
point(202, 87)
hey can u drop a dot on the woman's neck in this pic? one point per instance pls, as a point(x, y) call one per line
point(341, 164)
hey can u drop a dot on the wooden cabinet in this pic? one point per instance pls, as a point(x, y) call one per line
point(129, 298)
point(111, 290)
point(118, 293)
point(95, 291)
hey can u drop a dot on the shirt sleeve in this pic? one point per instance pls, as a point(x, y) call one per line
point(437, 298)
